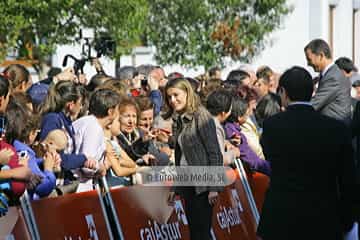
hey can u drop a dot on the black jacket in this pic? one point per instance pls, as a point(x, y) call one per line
point(313, 176)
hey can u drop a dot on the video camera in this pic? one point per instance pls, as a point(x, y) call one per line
point(103, 45)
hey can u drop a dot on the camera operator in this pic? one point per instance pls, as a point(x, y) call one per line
point(39, 90)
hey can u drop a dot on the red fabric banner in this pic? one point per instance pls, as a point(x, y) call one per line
point(259, 184)
point(144, 214)
point(73, 216)
point(232, 216)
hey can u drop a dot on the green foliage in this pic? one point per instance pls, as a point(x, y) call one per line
point(124, 21)
point(40, 25)
point(203, 32)
point(186, 32)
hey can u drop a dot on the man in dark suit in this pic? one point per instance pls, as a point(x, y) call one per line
point(313, 173)
point(332, 97)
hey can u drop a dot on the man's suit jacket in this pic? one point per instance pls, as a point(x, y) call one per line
point(312, 166)
point(355, 130)
point(332, 97)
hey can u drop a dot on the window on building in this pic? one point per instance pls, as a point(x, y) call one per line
point(331, 25)
point(355, 35)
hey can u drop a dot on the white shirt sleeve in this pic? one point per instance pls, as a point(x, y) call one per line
point(90, 137)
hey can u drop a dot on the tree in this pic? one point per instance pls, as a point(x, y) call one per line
point(35, 27)
point(187, 32)
point(203, 32)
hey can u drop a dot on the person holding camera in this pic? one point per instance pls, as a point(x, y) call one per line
point(153, 79)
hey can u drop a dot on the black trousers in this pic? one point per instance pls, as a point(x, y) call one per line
point(199, 214)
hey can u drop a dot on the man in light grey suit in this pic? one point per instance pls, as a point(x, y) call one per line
point(332, 97)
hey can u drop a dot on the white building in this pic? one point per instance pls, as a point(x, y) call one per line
point(336, 21)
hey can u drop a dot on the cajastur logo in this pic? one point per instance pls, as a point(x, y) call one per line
point(166, 231)
point(230, 216)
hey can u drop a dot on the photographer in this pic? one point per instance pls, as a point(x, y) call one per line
point(153, 80)
point(130, 76)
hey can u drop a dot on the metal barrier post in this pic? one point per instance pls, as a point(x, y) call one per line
point(111, 211)
point(106, 217)
point(29, 216)
point(248, 191)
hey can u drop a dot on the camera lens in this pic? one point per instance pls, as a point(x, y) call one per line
point(144, 82)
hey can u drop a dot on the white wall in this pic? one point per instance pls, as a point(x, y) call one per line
point(75, 50)
point(309, 20)
point(289, 41)
point(357, 39)
point(318, 19)
point(343, 29)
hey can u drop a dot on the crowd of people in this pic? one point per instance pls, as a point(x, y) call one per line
point(60, 134)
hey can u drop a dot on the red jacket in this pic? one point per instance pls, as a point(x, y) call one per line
point(17, 187)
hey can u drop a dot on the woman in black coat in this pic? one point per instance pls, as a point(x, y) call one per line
point(196, 144)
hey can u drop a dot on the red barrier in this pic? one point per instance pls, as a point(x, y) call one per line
point(20, 230)
point(232, 217)
point(259, 184)
point(144, 214)
point(13, 225)
point(73, 216)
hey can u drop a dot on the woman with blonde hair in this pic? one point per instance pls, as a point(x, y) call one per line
point(193, 126)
